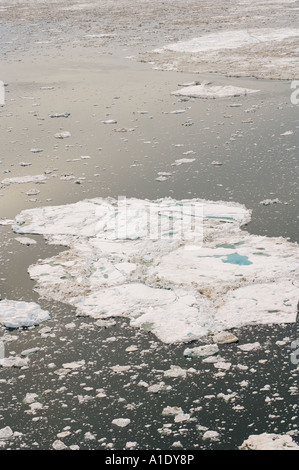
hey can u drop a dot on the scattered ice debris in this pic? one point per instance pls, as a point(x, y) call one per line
point(175, 371)
point(222, 365)
point(180, 161)
point(163, 176)
point(16, 314)
point(28, 352)
point(288, 133)
point(24, 179)
point(230, 277)
point(109, 121)
point(74, 365)
point(59, 445)
point(62, 135)
point(224, 337)
point(25, 164)
point(212, 435)
point(26, 241)
point(227, 397)
point(131, 445)
point(121, 422)
point(202, 351)
point(181, 417)
point(6, 433)
point(30, 398)
point(6, 222)
point(176, 111)
point(267, 202)
point(171, 411)
point(249, 346)
point(159, 387)
point(213, 91)
point(266, 441)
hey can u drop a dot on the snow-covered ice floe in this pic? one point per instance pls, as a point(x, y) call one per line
point(16, 314)
point(181, 269)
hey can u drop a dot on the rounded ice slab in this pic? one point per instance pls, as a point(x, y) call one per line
point(15, 314)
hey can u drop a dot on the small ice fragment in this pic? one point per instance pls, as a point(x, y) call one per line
point(6, 433)
point(202, 351)
point(73, 365)
point(26, 241)
point(249, 346)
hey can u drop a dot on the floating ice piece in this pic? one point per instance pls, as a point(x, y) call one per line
point(26, 241)
point(202, 351)
point(182, 160)
point(213, 91)
point(36, 150)
point(224, 337)
point(6, 433)
point(24, 179)
point(231, 39)
point(109, 121)
point(267, 441)
point(249, 346)
point(15, 314)
point(14, 361)
point(6, 222)
point(59, 445)
point(267, 202)
point(30, 398)
point(65, 115)
point(172, 410)
point(74, 365)
point(288, 133)
point(175, 371)
point(213, 435)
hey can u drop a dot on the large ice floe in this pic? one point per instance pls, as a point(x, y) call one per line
point(180, 269)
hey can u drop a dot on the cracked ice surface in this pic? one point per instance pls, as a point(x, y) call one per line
point(181, 285)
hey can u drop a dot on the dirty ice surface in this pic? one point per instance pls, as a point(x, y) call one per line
point(181, 269)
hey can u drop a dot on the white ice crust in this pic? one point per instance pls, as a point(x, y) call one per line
point(212, 278)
